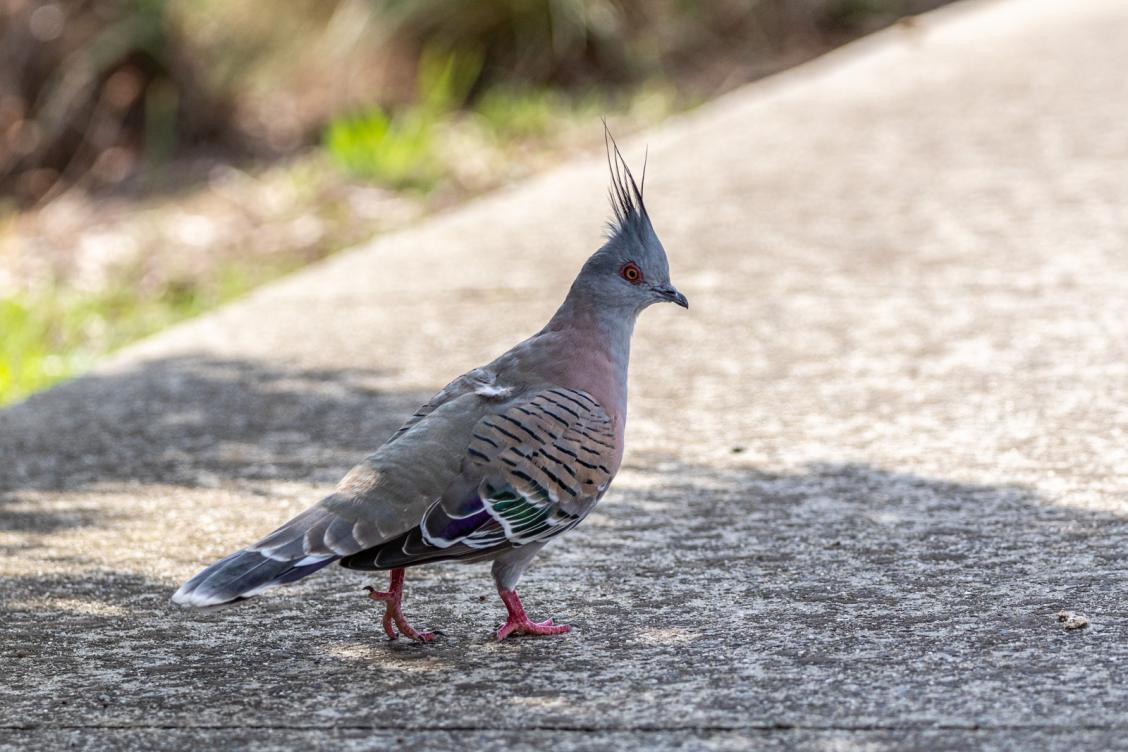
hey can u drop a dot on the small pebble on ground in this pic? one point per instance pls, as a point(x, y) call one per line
point(1072, 619)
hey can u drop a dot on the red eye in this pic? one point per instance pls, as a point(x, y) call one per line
point(631, 273)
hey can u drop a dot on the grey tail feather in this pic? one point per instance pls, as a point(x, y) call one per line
point(242, 575)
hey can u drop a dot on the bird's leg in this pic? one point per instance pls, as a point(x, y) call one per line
point(393, 611)
point(519, 623)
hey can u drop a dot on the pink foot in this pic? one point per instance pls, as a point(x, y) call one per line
point(519, 623)
point(393, 611)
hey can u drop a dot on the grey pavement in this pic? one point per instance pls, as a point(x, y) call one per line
point(884, 447)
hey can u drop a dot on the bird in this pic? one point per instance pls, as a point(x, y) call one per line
point(499, 462)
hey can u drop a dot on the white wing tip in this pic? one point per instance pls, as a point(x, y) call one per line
point(190, 598)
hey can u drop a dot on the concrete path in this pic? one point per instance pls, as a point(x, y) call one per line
point(886, 445)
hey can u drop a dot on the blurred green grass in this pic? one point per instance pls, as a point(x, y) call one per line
point(50, 336)
point(516, 112)
point(400, 150)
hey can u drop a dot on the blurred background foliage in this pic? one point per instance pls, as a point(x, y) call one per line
point(158, 157)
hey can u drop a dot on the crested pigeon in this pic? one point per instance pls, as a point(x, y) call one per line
point(500, 461)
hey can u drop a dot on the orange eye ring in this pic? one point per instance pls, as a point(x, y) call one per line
point(631, 273)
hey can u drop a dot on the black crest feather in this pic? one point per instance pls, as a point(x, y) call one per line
point(625, 193)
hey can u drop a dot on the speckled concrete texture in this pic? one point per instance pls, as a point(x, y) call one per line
point(884, 447)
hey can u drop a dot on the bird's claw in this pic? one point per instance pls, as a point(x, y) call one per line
point(393, 612)
point(528, 627)
point(518, 622)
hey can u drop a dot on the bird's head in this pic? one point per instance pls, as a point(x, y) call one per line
point(630, 271)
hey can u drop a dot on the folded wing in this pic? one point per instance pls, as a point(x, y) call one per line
point(530, 473)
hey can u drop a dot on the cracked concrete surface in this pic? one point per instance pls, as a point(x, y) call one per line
point(885, 446)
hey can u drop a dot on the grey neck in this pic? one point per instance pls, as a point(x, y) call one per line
point(603, 330)
point(613, 324)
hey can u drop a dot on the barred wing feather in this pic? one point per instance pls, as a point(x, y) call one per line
point(531, 472)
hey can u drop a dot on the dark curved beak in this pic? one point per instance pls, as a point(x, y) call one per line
point(670, 293)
